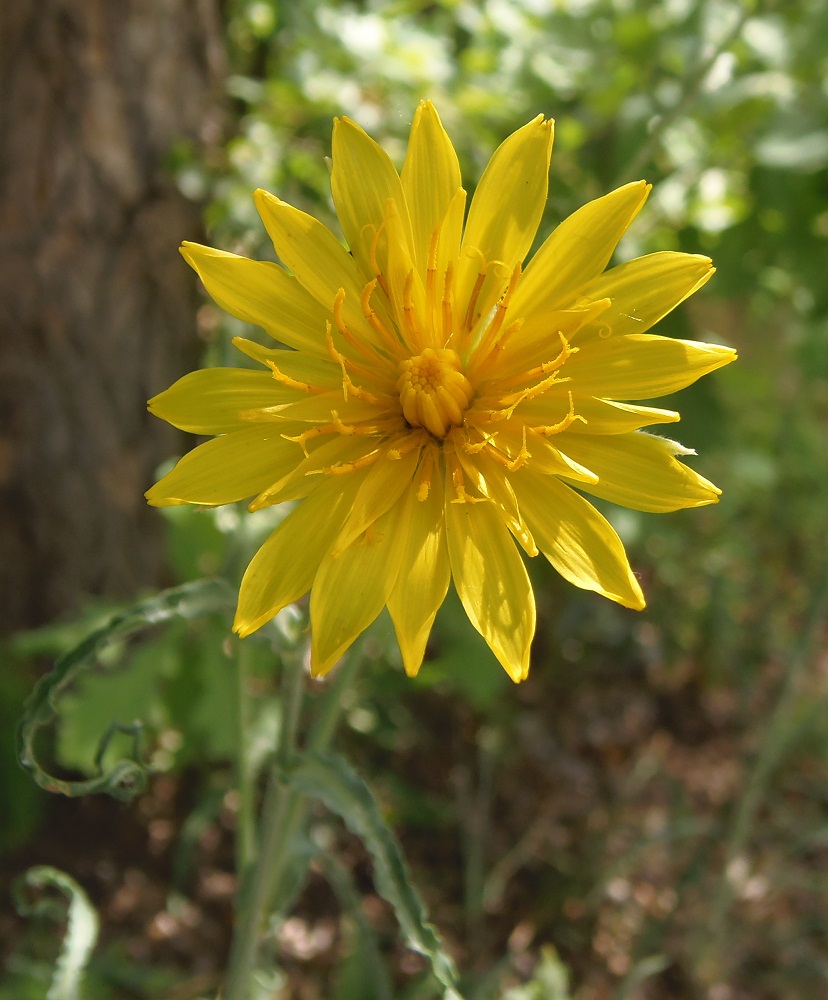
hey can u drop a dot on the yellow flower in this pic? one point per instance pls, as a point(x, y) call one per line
point(432, 402)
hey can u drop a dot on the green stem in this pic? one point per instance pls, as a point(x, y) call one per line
point(283, 813)
point(245, 776)
point(332, 708)
point(280, 815)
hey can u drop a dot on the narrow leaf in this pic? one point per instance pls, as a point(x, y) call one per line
point(81, 926)
point(331, 779)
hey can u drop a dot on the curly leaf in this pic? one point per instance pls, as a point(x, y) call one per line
point(127, 777)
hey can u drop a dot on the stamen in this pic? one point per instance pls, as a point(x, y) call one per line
point(446, 310)
point(391, 342)
point(341, 468)
point(348, 386)
point(521, 456)
point(360, 345)
point(408, 442)
point(458, 478)
point(484, 360)
point(431, 276)
point(475, 448)
point(337, 426)
point(425, 474)
point(499, 454)
point(561, 425)
point(471, 318)
point(557, 362)
point(509, 403)
point(478, 285)
point(490, 337)
point(291, 383)
point(548, 373)
point(378, 275)
point(410, 315)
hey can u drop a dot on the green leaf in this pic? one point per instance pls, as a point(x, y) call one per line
point(362, 975)
point(81, 928)
point(128, 775)
point(330, 778)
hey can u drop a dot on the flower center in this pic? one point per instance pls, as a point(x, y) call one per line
point(434, 392)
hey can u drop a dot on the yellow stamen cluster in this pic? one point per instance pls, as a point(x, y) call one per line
point(434, 392)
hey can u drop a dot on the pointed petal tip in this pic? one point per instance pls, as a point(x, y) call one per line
point(244, 626)
point(632, 597)
point(517, 672)
point(265, 199)
point(189, 251)
point(155, 498)
point(411, 667)
point(319, 669)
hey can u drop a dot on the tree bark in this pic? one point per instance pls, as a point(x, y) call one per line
point(97, 311)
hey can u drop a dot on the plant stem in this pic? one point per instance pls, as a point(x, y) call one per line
point(281, 811)
point(245, 833)
point(332, 708)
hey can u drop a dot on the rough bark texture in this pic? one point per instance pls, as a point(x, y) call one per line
point(97, 311)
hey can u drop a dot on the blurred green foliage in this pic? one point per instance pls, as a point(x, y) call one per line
point(723, 106)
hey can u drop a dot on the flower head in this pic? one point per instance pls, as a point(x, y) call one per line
point(433, 401)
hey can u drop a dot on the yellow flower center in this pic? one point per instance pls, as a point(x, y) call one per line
point(434, 392)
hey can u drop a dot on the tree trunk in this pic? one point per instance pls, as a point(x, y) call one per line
point(97, 311)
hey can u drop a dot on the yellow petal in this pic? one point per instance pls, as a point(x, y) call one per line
point(536, 342)
point(227, 469)
point(404, 284)
point(447, 251)
point(545, 457)
point(335, 457)
point(491, 581)
point(423, 578)
point(641, 366)
point(491, 480)
point(643, 291)
point(640, 471)
point(316, 257)
point(209, 401)
point(599, 416)
point(577, 251)
point(387, 480)
point(363, 179)
point(351, 589)
point(304, 368)
point(319, 408)
point(262, 293)
point(579, 542)
point(430, 178)
point(505, 212)
point(284, 567)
